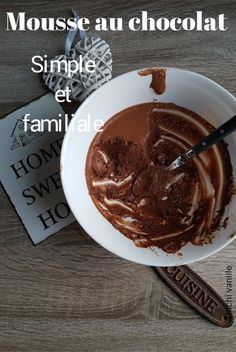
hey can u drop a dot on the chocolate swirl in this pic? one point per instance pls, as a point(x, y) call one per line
point(130, 184)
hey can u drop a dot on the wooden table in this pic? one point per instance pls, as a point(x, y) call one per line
point(69, 294)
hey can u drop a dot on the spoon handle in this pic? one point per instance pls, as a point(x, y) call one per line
point(217, 135)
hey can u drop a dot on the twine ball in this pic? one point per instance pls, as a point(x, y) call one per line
point(81, 84)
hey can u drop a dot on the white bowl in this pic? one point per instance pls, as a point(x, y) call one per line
point(184, 88)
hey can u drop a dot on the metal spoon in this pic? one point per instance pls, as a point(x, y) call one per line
point(224, 130)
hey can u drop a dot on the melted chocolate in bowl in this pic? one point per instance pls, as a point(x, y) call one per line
point(130, 185)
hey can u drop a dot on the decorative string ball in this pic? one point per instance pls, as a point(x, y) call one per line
point(81, 84)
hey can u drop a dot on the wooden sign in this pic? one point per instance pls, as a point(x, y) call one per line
point(30, 169)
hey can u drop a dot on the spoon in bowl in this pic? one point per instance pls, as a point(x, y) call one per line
point(217, 135)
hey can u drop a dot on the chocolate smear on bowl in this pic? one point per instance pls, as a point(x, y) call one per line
point(158, 83)
point(128, 180)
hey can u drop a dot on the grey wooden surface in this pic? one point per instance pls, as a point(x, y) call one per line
point(68, 293)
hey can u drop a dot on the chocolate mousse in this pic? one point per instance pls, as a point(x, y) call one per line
point(158, 83)
point(130, 184)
